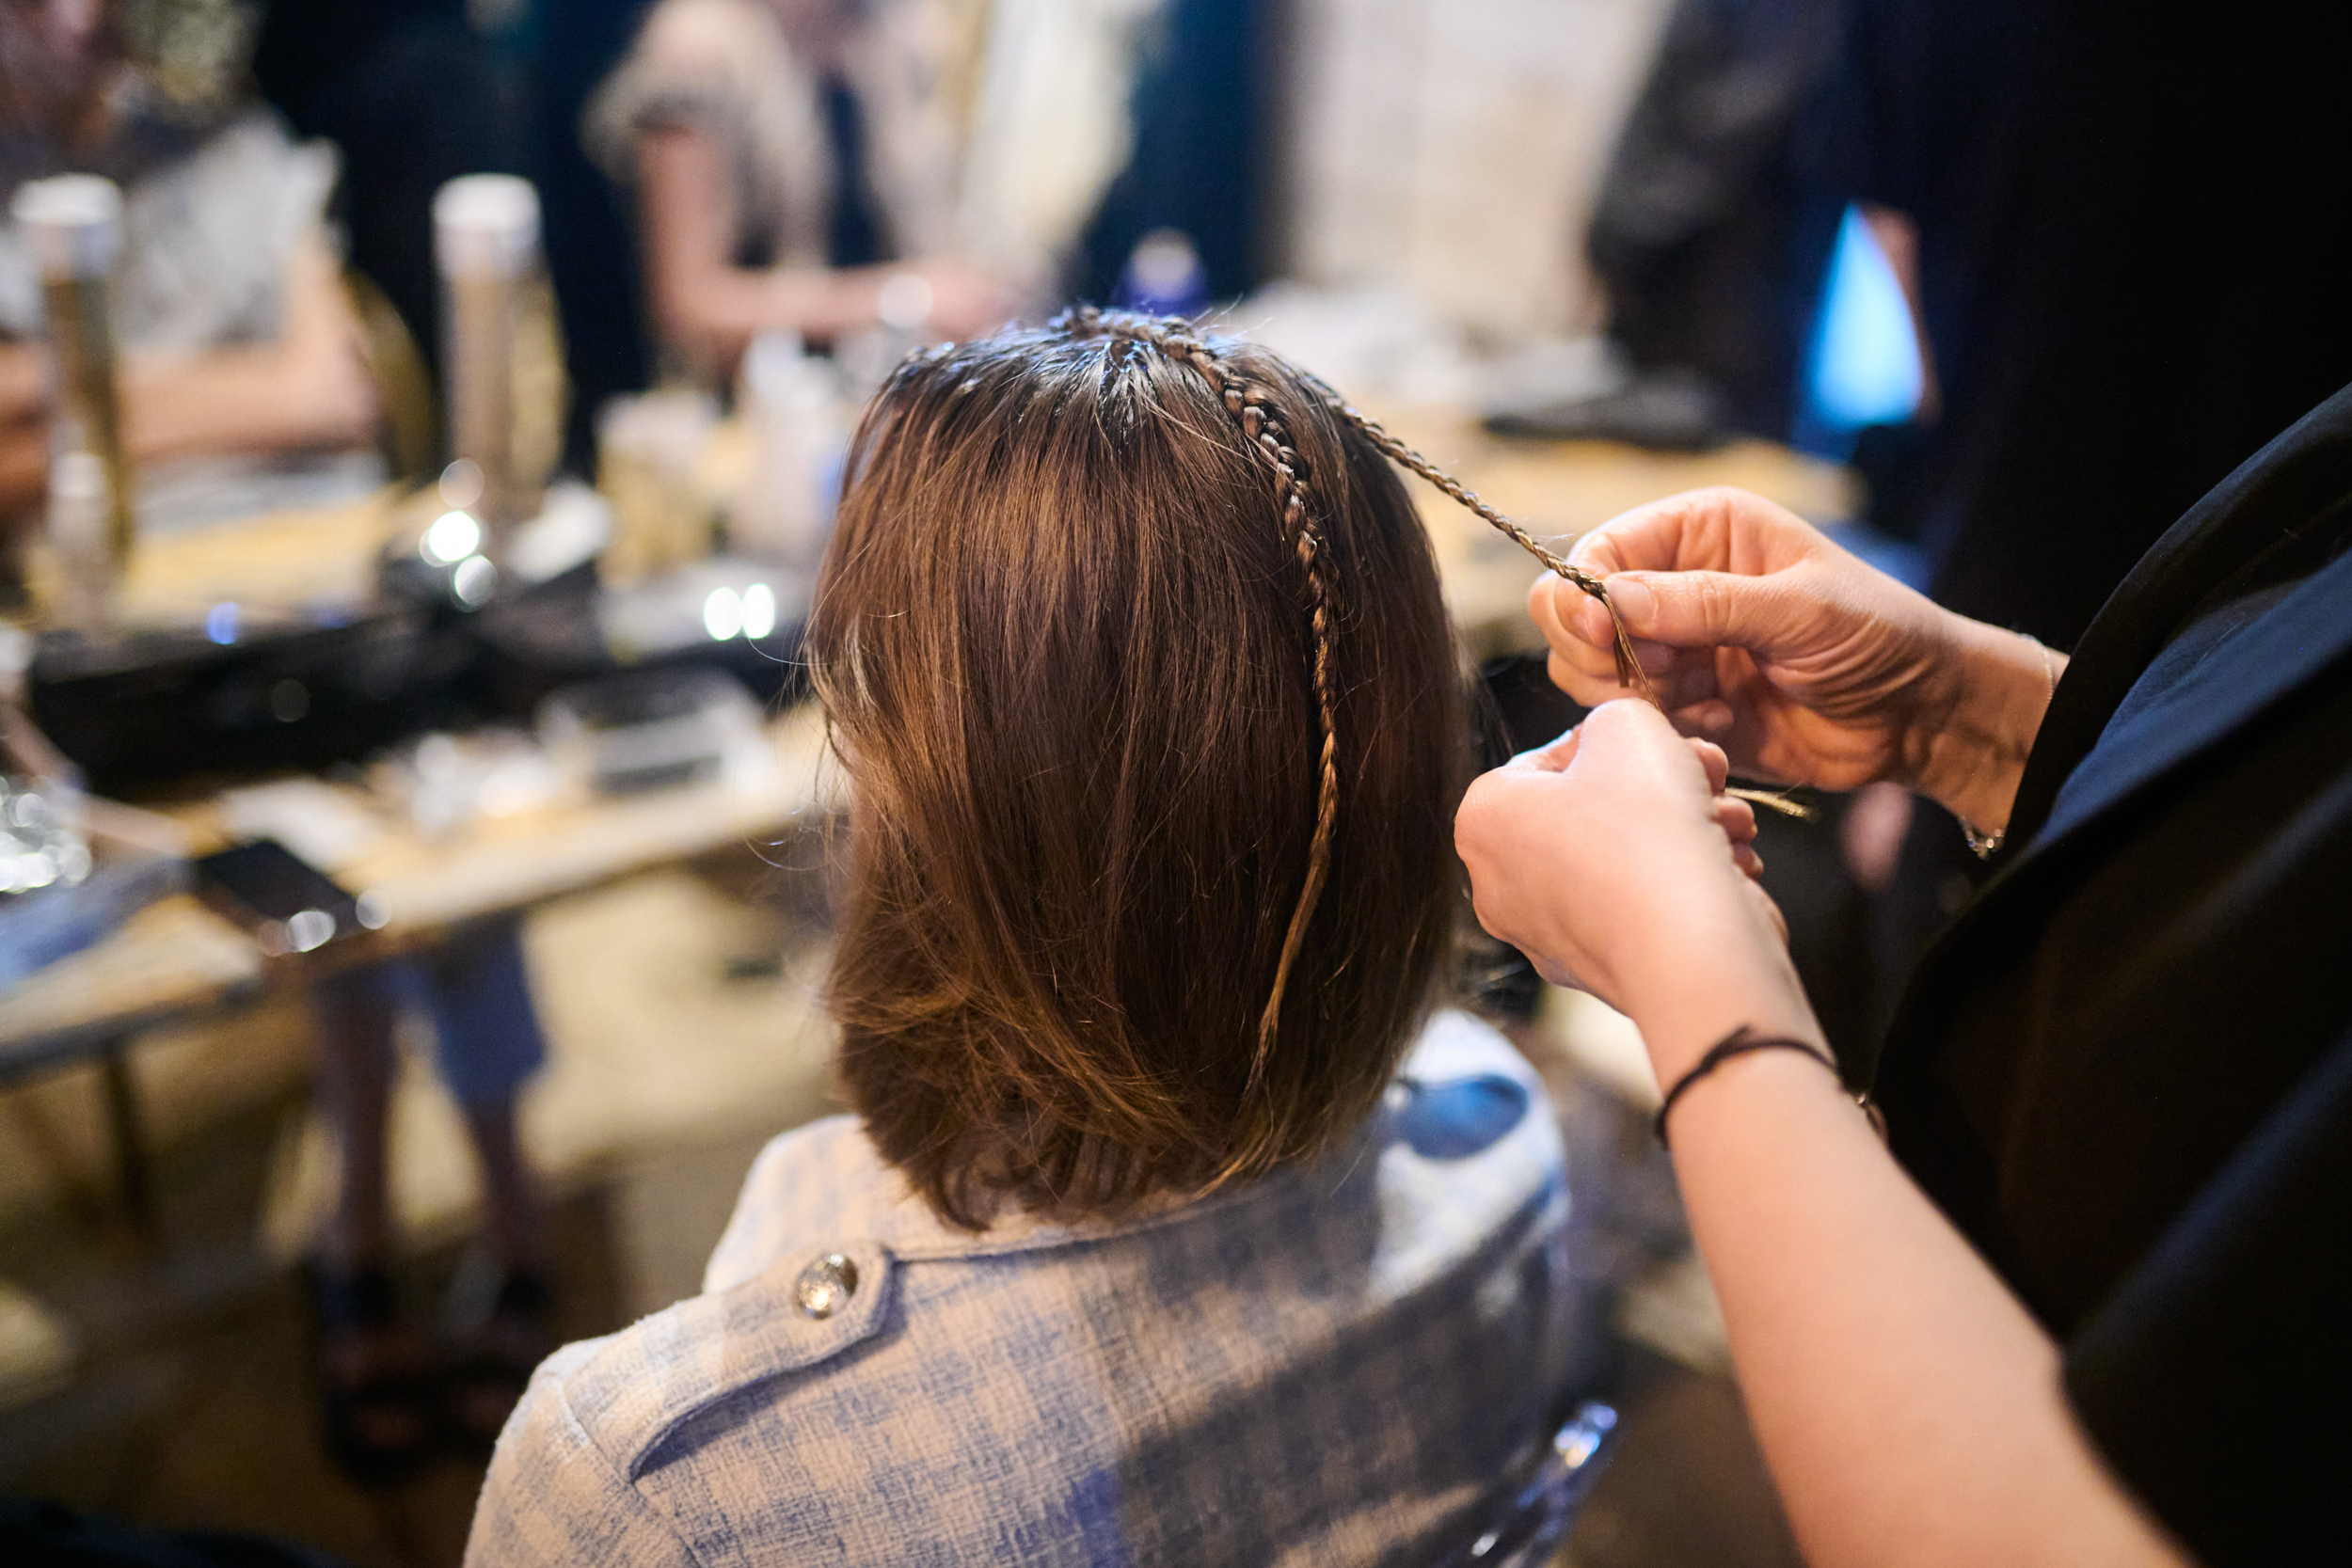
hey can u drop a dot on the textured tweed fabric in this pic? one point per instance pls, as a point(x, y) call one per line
point(1342, 1364)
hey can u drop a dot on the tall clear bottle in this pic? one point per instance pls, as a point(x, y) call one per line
point(486, 235)
point(73, 224)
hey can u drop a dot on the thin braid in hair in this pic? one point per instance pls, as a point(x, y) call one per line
point(1262, 429)
point(1629, 671)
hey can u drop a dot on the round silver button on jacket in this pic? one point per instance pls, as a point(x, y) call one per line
point(825, 1285)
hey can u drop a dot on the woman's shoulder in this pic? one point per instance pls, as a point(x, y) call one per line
point(564, 1483)
point(816, 1182)
point(707, 64)
point(706, 41)
point(799, 1278)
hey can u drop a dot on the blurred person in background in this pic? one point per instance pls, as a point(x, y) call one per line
point(239, 341)
point(242, 348)
point(412, 95)
point(1708, 234)
point(2117, 227)
point(796, 167)
point(388, 1395)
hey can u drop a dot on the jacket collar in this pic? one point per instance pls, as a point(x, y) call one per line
point(2303, 473)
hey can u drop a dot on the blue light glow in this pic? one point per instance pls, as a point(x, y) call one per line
point(220, 624)
point(1865, 359)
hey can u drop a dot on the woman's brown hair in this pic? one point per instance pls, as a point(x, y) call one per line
point(1135, 654)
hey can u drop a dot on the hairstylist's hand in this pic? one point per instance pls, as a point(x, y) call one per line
point(1610, 858)
point(1807, 665)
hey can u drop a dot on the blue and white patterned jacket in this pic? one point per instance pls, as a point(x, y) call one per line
point(1337, 1365)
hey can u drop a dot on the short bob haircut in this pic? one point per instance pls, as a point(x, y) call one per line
point(1066, 649)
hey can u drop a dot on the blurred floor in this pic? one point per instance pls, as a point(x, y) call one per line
point(164, 1380)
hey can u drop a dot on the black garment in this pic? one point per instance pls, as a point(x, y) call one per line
point(2126, 1071)
point(855, 238)
point(591, 233)
point(2130, 220)
point(1205, 108)
point(412, 97)
point(1709, 238)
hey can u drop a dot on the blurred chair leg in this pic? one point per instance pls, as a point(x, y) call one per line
point(132, 1180)
point(355, 1015)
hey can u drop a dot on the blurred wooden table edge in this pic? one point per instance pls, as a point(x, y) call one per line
point(177, 955)
point(176, 958)
point(305, 557)
point(426, 884)
point(170, 958)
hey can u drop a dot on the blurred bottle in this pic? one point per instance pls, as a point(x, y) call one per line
point(902, 323)
point(791, 402)
point(73, 224)
point(1164, 277)
point(498, 325)
point(650, 452)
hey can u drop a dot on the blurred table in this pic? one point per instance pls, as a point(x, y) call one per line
point(177, 957)
point(314, 556)
point(1562, 489)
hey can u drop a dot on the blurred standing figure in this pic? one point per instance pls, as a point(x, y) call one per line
point(2126, 262)
point(2117, 224)
point(412, 95)
point(1708, 233)
point(244, 369)
point(796, 167)
point(241, 346)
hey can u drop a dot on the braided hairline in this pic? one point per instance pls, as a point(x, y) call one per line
point(1247, 403)
point(1250, 404)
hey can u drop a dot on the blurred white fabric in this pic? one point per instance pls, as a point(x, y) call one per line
point(1455, 151)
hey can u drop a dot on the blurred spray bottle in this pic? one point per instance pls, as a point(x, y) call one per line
point(73, 225)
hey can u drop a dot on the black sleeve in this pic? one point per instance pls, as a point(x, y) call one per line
point(2218, 1378)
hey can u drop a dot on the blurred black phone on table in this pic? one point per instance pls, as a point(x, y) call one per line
point(290, 905)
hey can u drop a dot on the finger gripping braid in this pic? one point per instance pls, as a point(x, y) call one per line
point(1252, 405)
point(1629, 671)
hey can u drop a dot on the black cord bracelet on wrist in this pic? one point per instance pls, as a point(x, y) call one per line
point(1745, 1041)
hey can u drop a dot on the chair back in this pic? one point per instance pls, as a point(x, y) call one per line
point(1534, 1515)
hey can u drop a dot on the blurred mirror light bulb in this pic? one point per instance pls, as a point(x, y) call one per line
point(461, 483)
point(452, 537)
point(473, 580)
point(722, 614)
point(759, 611)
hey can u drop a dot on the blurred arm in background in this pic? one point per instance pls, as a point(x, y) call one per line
point(708, 307)
point(308, 389)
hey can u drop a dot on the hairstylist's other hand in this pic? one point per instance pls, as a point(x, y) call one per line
point(1613, 860)
point(1807, 665)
